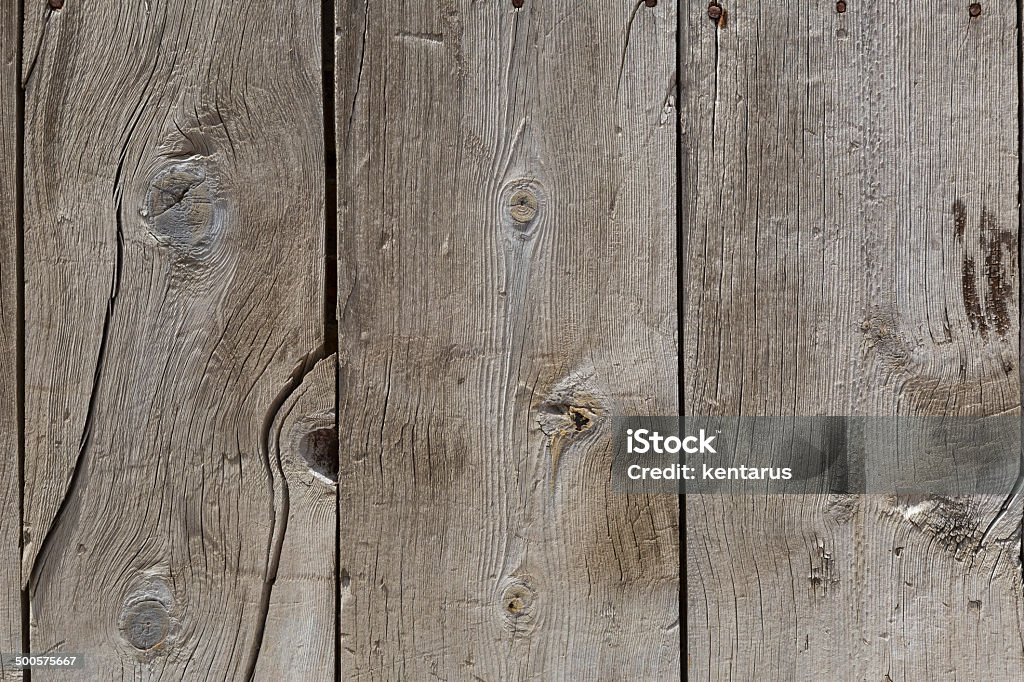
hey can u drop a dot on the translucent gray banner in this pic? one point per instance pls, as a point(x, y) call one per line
point(816, 455)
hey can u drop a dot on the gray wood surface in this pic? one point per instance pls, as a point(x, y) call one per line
point(174, 295)
point(506, 280)
point(851, 197)
point(300, 637)
point(10, 502)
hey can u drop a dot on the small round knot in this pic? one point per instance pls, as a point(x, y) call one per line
point(975, 9)
point(518, 604)
point(715, 11)
point(320, 450)
point(523, 206)
point(517, 600)
point(517, 3)
point(183, 209)
point(146, 624)
point(651, 3)
point(56, 4)
point(840, 6)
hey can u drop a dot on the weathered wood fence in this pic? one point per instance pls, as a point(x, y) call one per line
point(311, 315)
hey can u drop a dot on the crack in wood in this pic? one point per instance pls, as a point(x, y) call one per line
point(625, 46)
point(278, 507)
point(76, 472)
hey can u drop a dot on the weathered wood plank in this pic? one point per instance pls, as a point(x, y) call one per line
point(10, 504)
point(173, 246)
point(851, 203)
point(506, 280)
point(300, 637)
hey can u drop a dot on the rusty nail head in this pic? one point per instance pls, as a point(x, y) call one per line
point(517, 3)
point(840, 6)
point(56, 4)
point(975, 9)
point(650, 3)
point(715, 11)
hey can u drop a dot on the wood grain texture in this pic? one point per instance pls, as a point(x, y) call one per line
point(174, 259)
point(506, 281)
point(851, 200)
point(10, 503)
point(299, 641)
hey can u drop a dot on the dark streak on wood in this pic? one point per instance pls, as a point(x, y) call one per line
point(972, 301)
point(998, 245)
point(959, 219)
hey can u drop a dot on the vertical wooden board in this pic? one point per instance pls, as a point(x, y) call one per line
point(851, 204)
point(174, 260)
point(299, 640)
point(10, 503)
point(506, 282)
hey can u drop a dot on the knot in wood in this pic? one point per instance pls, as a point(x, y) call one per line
point(975, 9)
point(518, 599)
point(320, 450)
point(840, 6)
point(146, 624)
point(517, 3)
point(518, 605)
point(523, 206)
point(651, 3)
point(182, 207)
point(56, 4)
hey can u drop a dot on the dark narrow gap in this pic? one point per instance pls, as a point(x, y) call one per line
point(19, 210)
point(327, 48)
point(1020, 235)
point(330, 181)
point(681, 316)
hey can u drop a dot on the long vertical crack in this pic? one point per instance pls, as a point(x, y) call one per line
point(19, 216)
point(681, 251)
point(1018, 484)
point(327, 37)
point(328, 56)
